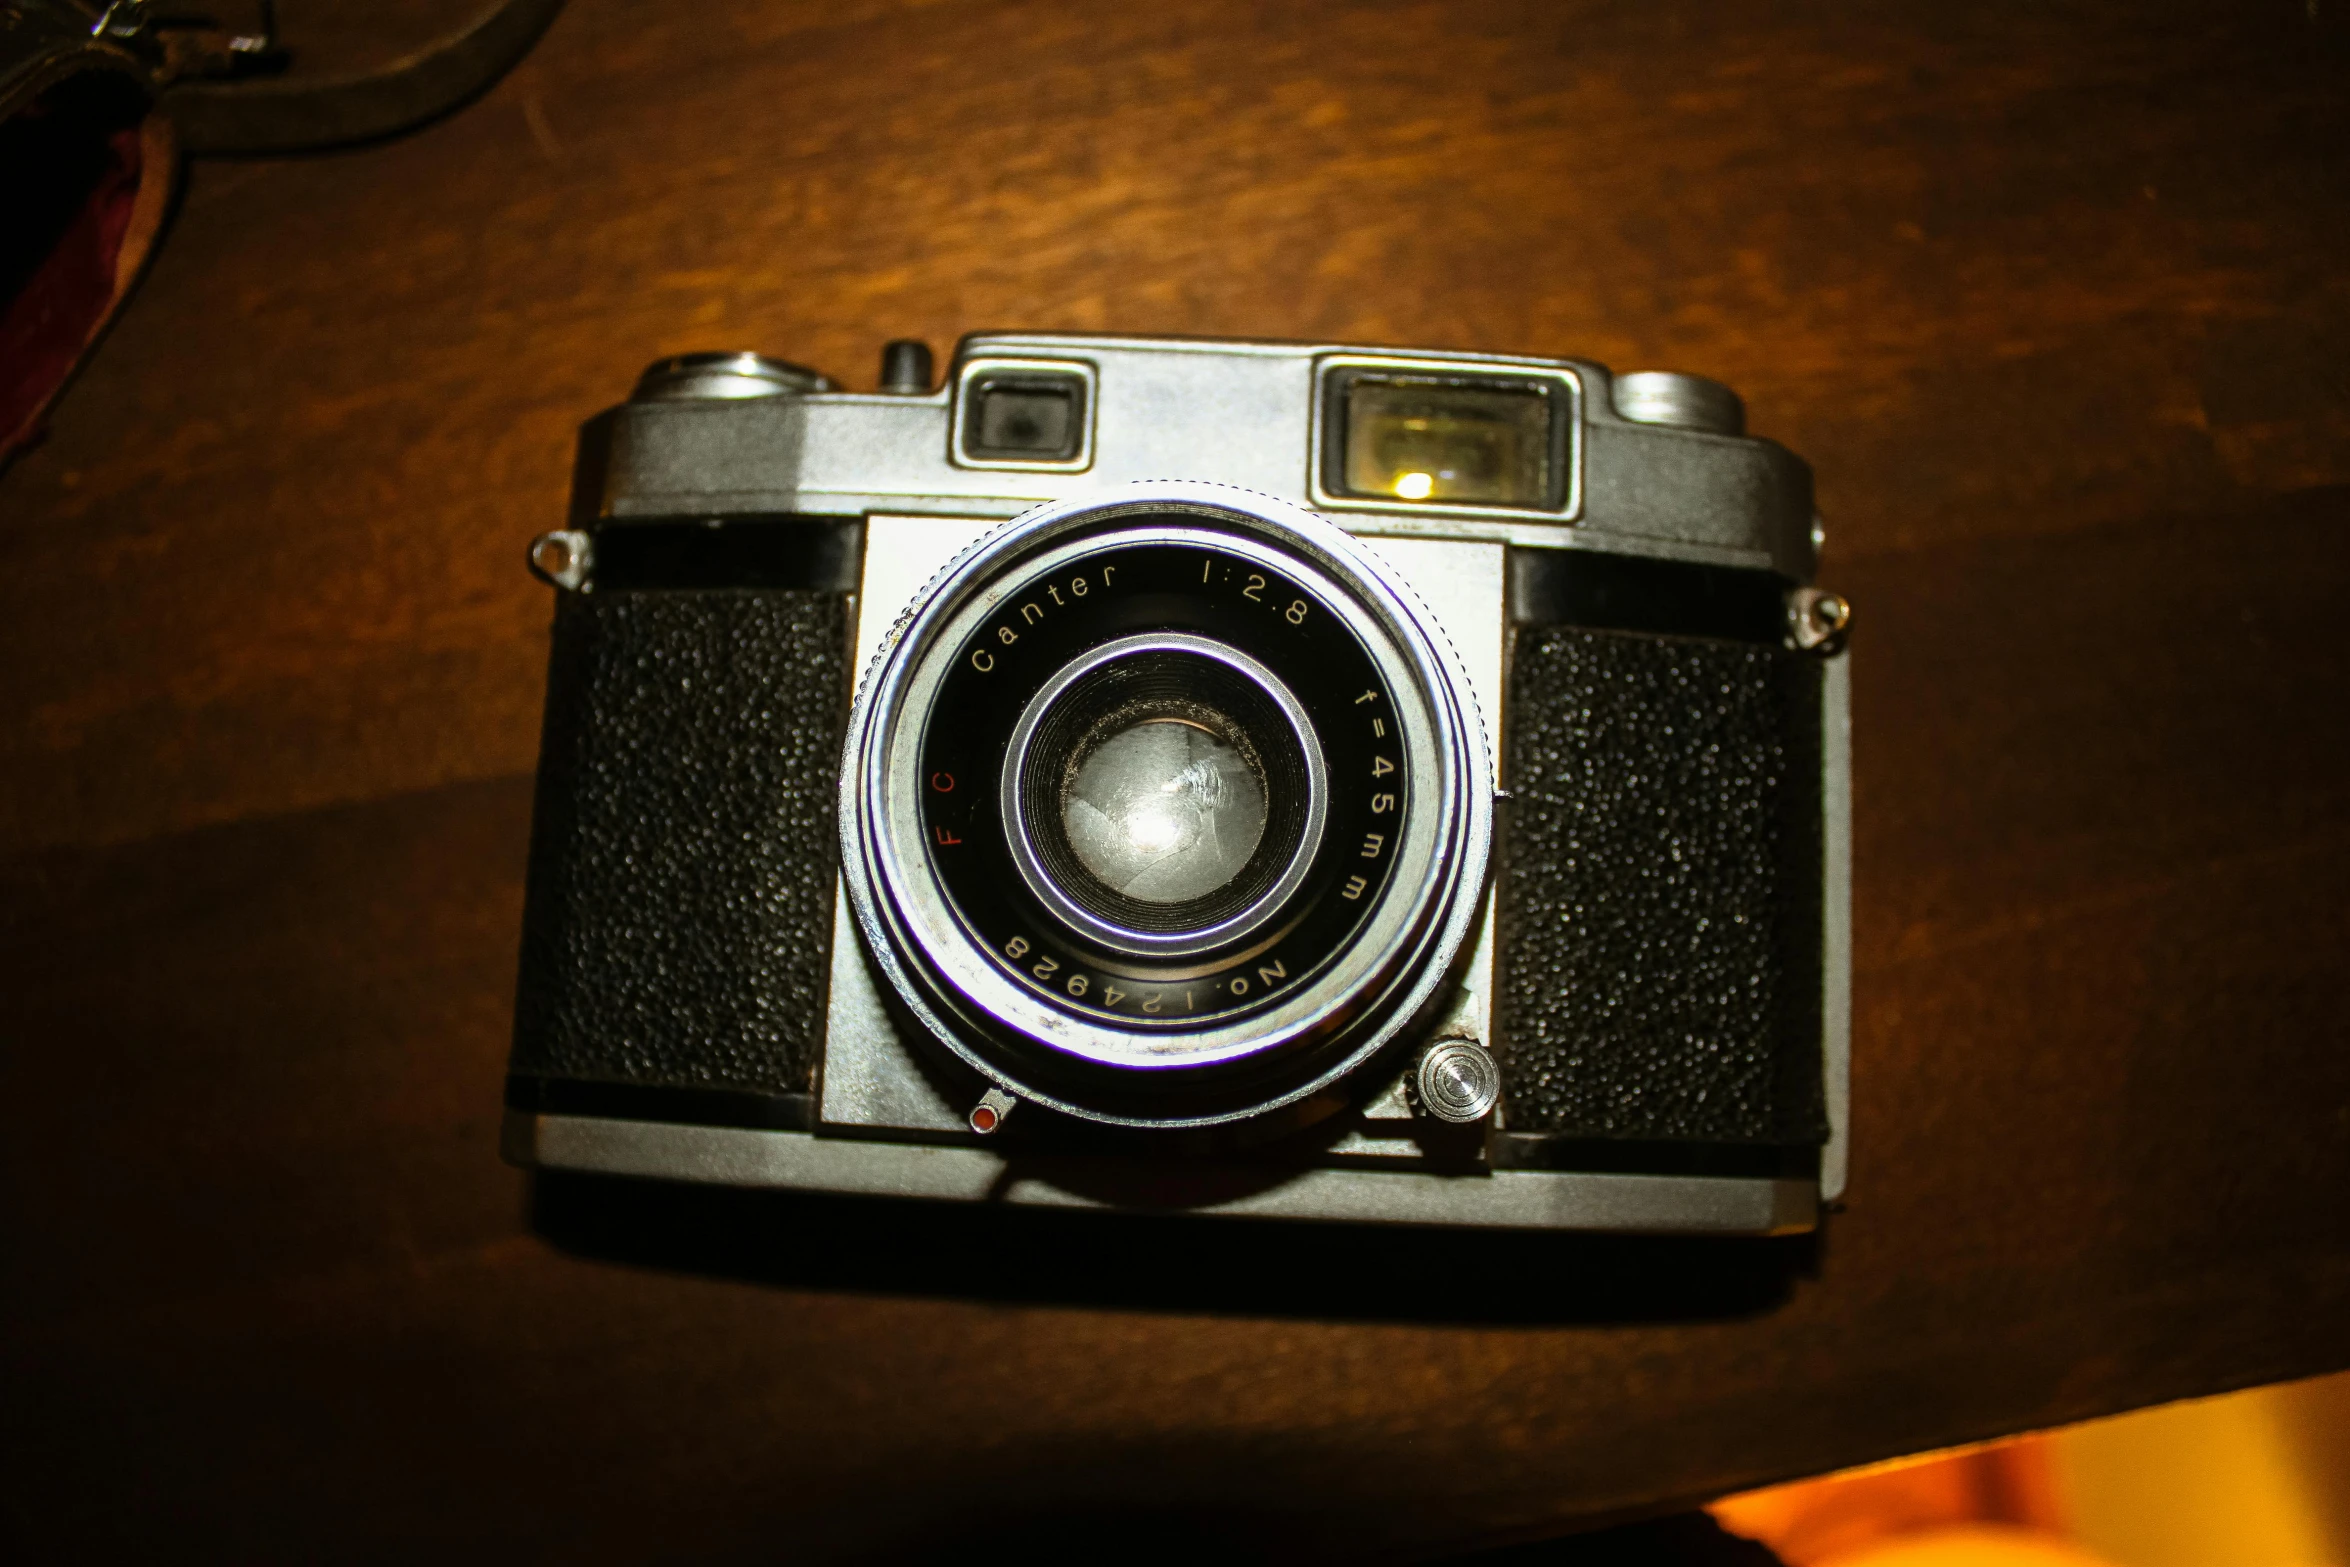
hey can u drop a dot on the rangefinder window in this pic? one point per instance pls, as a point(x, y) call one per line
point(1024, 417)
point(1447, 441)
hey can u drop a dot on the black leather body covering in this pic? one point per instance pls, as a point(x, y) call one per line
point(1660, 890)
point(684, 846)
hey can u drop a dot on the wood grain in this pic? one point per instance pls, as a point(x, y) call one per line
point(2051, 297)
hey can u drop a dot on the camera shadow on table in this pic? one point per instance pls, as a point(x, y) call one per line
point(1166, 1262)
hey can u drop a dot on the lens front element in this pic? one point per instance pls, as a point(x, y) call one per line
point(1166, 808)
point(1163, 793)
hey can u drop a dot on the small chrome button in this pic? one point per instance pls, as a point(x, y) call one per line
point(1457, 1081)
point(905, 367)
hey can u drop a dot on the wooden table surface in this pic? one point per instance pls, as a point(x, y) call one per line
point(2053, 297)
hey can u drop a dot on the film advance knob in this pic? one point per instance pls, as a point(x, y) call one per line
point(1685, 402)
point(685, 378)
point(1457, 1080)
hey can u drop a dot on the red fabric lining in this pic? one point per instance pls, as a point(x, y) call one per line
point(44, 329)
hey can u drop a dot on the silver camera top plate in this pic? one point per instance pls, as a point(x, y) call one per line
point(1240, 413)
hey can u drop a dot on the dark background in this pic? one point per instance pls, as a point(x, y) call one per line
point(2052, 295)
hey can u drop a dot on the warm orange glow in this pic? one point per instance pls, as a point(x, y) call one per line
point(2259, 1478)
point(1971, 1545)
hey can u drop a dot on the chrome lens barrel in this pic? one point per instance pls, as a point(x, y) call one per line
point(1169, 807)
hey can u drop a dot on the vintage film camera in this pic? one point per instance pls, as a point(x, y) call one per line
point(1222, 777)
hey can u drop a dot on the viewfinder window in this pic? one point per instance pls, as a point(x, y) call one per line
point(1438, 440)
point(1025, 417)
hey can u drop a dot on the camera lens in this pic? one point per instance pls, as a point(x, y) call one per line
point(1163, 793)
point(1165, 808)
